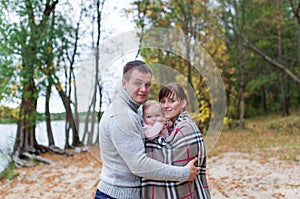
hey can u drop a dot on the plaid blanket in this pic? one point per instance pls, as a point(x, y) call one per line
point(182, 145)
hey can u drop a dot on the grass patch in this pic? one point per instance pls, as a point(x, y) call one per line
point(269, 136)
point(9, 173)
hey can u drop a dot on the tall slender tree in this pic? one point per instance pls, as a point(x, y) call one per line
point(97, 87)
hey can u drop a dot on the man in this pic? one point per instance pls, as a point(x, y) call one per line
point(122, 144)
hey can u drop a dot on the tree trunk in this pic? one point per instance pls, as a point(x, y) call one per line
point(25, 139)
point(242, 83)
point(86, 125)
point(237, 106)
point(92, 107)
point(242, 90)
point(298, 97)
point(70, 121)
point(264, 100)
point(189, 75)
point(99, 112)
point(296, 12)
point(282, 86)
point(47, 116)
point(282, 82)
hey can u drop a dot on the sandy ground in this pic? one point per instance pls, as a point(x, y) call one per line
point(231, 175)
point(240, 175)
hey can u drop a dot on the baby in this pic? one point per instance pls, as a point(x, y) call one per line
point(154, 123)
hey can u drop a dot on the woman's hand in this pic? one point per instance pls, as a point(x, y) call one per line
point(193, 170)
point(168, 123)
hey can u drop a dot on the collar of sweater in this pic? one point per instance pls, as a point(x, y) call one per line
point(128, 100)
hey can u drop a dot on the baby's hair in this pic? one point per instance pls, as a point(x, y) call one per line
point(150, 103)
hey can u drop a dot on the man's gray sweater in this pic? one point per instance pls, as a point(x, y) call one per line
point(123, 152)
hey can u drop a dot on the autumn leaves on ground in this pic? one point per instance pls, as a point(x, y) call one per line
point(262, 161)
point(67, 177)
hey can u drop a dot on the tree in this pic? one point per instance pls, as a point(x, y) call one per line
point(235, 23)
point(262, 64)
point(35, 37)
point(31, 44)
point(256, 41)
point(187, 18)
point(295, 8)
point(91, 113)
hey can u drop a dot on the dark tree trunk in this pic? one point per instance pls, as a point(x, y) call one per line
point(237, 106)
point(243, 102)
point(264, 100)
point(70, 121)
point(282, 79)
point(283, 98)
point(25, 139)
point(92, 107)
point(47, 116)
point(99, 115)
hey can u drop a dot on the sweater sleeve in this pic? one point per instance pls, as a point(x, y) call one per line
point(128, 141)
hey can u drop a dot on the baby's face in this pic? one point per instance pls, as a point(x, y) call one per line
point(152, 114)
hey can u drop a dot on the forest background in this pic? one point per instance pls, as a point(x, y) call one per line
point(254, 44)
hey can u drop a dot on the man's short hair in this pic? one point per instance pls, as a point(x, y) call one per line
point(135, 65)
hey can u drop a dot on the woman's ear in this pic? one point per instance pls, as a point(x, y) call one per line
point(183, 104)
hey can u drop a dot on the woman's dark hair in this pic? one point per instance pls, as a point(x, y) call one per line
point(170, 89)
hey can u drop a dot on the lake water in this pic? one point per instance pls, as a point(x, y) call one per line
point(8, 135)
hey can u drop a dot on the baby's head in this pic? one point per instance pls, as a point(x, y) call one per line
point(152, 112)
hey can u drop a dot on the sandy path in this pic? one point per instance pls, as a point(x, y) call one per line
point(232, 175)
point(239, 175)
point(66, 177)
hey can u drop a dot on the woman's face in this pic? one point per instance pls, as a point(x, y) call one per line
point(172, 107)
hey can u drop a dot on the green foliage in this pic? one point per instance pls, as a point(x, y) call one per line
point(256, 84)
point(9, 172)
point(32, 38)
point(8, 115)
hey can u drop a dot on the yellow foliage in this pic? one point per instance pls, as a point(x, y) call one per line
point(19, 65)
point(49, 50)
point(227, 120)
point(51, 66)
point(8, 113)
point(13, 88)
point(14, 113)
point(177, 26)
point(204, 111)
point(203, 116)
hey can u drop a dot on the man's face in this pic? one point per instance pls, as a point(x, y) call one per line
point(138, 85)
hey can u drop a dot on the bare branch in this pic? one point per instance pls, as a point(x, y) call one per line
point(278, 65)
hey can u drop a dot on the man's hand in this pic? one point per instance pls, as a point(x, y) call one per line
point(193, 170)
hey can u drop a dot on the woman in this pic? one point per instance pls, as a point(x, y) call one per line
point(183, 144)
